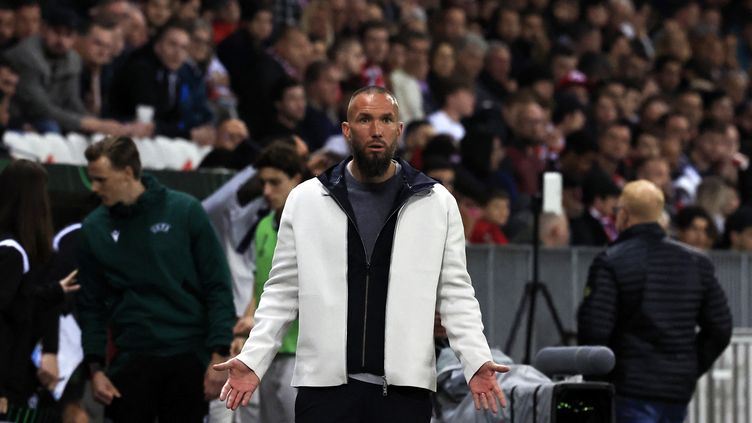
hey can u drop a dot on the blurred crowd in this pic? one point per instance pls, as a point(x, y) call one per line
point(492, 93)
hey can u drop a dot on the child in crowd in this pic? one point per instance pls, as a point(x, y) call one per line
point(487, 230)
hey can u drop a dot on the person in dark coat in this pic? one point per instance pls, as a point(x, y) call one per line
point(254, 76)
point(657, 304)
point(596, 225)
point(28, 305)
point(158, 76)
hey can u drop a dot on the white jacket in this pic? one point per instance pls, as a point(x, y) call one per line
point(309, 279)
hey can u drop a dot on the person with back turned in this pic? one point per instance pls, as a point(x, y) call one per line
point(645, 298)
point(365, 254)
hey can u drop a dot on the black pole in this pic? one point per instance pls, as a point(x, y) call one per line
point(532, 288)
point(535, 280)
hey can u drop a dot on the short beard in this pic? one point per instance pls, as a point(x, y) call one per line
point(371, 166)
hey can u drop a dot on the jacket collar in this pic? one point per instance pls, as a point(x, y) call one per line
point(413, 182)
point(649, 230)
point(154, 193)
point(412, 179)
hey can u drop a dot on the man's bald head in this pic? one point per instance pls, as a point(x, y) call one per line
point(642, 201)
point(371, 90)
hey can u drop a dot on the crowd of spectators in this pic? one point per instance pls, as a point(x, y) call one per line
point(492, 93)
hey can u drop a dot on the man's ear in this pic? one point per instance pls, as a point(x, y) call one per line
point(346, 130)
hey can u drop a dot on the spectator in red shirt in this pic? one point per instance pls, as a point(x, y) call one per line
point(487, 229)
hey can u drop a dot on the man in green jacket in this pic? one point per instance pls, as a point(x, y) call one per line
point(153, 275)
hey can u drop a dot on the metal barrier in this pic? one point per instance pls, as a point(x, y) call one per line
point(499, 275)
point(724, 394)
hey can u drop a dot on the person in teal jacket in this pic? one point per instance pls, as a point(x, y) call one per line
point(280, 169)
point(154, 276)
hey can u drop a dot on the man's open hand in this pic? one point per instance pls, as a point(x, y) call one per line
point(240, 385)
point(486, 389)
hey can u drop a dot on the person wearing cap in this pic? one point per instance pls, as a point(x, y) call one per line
point(575, 82)
point(658, 305)
point(48, 93)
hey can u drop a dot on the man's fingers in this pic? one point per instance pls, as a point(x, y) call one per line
point(236, 400)
point(231, 399)
point(484, 400)
point(494, 407)
point(500, 395)
point(246, 398)
point(500, 368)
point(476, 400)
point(227, 397)
point(228, 402)
point(222, 366)
point(225, 390)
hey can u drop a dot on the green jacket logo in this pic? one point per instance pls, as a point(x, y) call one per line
point(160, 227)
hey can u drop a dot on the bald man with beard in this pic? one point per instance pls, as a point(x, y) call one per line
point(366, 253)
point(645, 297)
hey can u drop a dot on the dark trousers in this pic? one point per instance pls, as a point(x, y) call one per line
point(361, 402)
point(632, 410)
point(168, 388)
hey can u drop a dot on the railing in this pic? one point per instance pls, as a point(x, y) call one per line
point(724, 394)
point(499, 275)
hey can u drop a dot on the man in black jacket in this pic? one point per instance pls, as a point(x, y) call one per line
point(157, 75)
point(644, 298)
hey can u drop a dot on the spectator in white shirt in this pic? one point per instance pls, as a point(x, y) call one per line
point(457, 100)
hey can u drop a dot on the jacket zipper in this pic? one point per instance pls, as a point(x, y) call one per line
point(365, 311)
point(368, 273)
point(368, 277)
point(368, 265)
